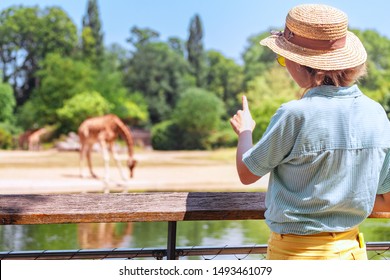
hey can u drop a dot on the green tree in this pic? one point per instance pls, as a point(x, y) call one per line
point(142, 36)
point(225, 78)
point(160, 74)
point(29, 115)
point(197, 115)
point(27, 35)
point(92, 35)
point(7, 103)
point(195, 50)
point(167, 136)
point(133, 108)
point(128, 106)
point(377, 82)
point(195, 122)
point(5, 138)
point(81, 106)
point(177, 45)
point(257, 59)
point(61, 79)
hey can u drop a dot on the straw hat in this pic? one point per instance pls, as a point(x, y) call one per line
point(316, 35)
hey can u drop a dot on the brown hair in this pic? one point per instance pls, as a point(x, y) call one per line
point(338, 78)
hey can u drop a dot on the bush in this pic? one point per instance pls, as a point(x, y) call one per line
point(6, 139)
point(224, 137)
point(197, 115)
point(80, 107)
point(195, 124)
point(263, 114)
point(131, 108)
point(7, 103)
point(166, 136)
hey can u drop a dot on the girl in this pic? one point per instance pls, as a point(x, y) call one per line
point(328, 154)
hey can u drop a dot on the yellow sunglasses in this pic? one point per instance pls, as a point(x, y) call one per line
point(281, 60)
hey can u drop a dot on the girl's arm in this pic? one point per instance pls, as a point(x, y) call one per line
point(244, 144)
point(243, 125)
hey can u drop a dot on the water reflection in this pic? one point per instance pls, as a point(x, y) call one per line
point(152, 235)
point(104, 235)
point(38, 237)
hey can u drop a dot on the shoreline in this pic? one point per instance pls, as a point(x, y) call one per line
point(24, 172)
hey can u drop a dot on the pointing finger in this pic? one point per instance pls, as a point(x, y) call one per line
point(245, 103)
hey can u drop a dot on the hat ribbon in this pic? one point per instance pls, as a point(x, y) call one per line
point(324, 45)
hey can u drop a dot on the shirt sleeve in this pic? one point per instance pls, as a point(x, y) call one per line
point(275, 144)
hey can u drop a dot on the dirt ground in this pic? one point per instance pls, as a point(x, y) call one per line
point(51, 171)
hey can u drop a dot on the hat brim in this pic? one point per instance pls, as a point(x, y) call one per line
point(351, 55)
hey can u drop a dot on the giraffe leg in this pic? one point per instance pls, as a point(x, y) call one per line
point(30, 146)
point(83, 155)
point(106, 158)
point(88, 155)
point(81, 162)
point(116, 158)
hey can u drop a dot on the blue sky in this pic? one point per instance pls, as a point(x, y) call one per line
point(227, 23)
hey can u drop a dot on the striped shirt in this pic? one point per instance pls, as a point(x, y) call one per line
point(328, 155)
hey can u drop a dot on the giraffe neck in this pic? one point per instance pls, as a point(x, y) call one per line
point(126, 134)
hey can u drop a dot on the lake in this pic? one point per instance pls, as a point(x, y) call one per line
point(154, 235)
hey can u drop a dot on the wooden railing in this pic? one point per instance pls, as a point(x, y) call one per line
point(169, 207)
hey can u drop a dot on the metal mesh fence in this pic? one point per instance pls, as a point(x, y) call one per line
point(378, 250)
point(375, 251)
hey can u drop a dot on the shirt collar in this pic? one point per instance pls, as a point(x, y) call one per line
point(333, 91)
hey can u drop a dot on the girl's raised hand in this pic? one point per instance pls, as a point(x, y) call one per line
point(243, 120)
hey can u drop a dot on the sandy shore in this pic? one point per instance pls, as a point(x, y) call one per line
point(58, 172)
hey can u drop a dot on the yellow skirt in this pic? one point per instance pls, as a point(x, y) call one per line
point(347, 245)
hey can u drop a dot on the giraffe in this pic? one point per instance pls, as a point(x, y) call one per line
point(105, 130)
point(23, 139)
point(32, 139)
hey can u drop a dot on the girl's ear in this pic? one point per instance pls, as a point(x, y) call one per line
point(299, 74)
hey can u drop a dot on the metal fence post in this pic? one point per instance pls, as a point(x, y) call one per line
point(171, 244)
